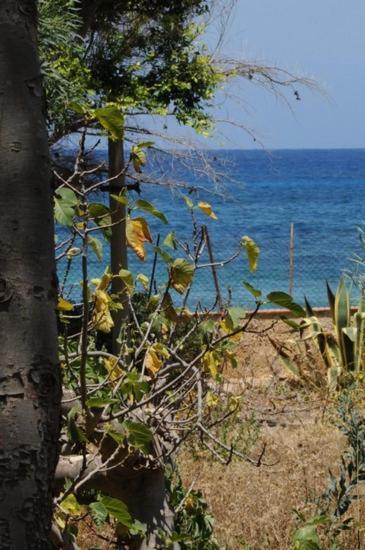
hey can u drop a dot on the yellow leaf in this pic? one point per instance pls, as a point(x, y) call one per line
point(127, 279)
point(234, 402)
point(64, 305)
point(211, 399)
point(104, 282)
point(207, 209)
point(161, 350)
point(186, 314)
point(112, 368)
point(252, 251)
point(190, 502)
point(61, 522)
point(155, 357)
point(137, 234)
point(70, 506)
point(152, 362)
point(211, 363)
point(101, 318)
point(144, 280)
point(73, 252)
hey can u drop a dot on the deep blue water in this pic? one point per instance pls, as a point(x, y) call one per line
point(320, 191)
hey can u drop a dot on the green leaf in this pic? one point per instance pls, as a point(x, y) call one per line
point(145, 144)
point(234, 317)
point(99, 210)
point(99, 513)
point(306, 538)
point(97, 247)
point(134, 385)
point(164, 255)
point(189, 203)
point(122, 199)
point(139, 436)
point(100, 402)
point(118, 437)
point(101, 215)
point(151, 209)
point(181, 275)
point(77, 435)
point(292, 324)
point(252, 290)
point(112, 120)
point(170, 241)
point(286, 301)
point(252, 251)
point(117, 509)
point(65, 205)
point(138, 528)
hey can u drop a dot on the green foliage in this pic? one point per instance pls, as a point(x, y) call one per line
point(343, 490)
point(163, 387)
point(286, 301)
point(65, 206)
point(193, 528)
point(111, 119)
point(151, 209)
point(306, 537)
point(62, 51)
point(129, 58)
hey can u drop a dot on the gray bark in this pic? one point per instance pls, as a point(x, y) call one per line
point(30, 390)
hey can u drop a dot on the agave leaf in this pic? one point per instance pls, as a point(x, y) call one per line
point(348, 337)
point(285, 357)
point(359, 323)
point(342, 320)
point(361, 308)
point(331, 301)
point(333, 376)
point(308, 308)
point(333, 351)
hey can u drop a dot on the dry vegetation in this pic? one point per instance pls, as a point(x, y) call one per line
point(253, 506)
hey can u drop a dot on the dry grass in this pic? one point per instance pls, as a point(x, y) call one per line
point(254, 506)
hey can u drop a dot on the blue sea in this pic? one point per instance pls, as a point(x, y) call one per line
point(260, 194)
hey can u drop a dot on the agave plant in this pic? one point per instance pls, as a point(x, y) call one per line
point(341, 349)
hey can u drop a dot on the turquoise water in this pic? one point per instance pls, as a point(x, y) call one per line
point(320, 191)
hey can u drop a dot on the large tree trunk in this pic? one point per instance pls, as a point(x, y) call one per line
point(29, 374)
point(118, 241)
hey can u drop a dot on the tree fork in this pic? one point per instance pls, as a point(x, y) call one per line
point(30, 389)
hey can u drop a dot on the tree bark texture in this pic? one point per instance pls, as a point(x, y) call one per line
point(30, 389)
point(118, 241)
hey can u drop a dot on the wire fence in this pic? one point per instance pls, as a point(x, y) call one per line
point(288, 263)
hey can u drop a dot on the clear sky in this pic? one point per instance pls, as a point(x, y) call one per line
point(322, 39)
